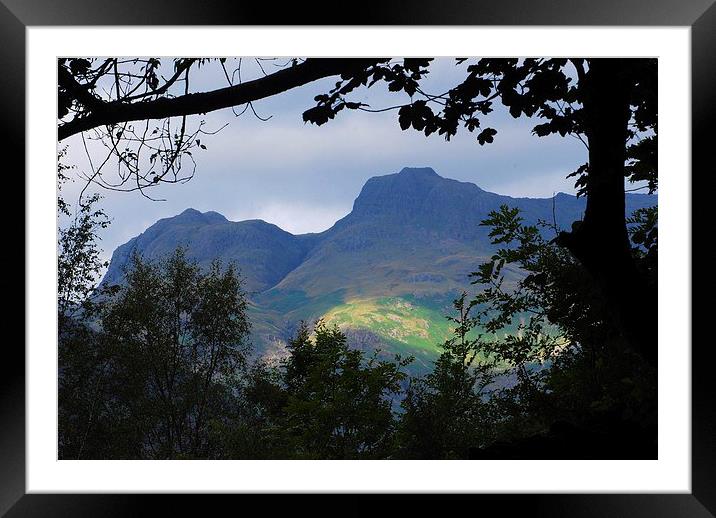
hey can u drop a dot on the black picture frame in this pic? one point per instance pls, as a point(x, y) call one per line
point(17, 15)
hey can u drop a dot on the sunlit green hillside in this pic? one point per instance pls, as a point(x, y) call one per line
point(415, 328)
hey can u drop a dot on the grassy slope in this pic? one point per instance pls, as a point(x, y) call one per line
point(396, 325)
point(413, 328)
point(407, 325)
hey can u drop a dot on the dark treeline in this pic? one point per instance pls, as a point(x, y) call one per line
point(160, 367)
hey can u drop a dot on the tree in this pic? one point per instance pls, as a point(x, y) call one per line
point(337, 404)
point(254, 427)
point(564, 348)
point(176, 338)
point(78, 255)
point(80, 355)
point(445, 413)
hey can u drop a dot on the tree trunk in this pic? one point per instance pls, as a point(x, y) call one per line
point(601, 242)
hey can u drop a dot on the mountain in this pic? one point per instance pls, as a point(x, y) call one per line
point(264, 252)
point(386, 273)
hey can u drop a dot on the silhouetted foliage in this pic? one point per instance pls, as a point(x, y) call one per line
point(163, 372)
point(566, 356)
point(446, 412)
point(324, 401)
point(81, 358)
point(171, 345)
point(643, 231)
point(78, 255)
point(339, 403)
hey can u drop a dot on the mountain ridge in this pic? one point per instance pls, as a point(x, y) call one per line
point(420, 192)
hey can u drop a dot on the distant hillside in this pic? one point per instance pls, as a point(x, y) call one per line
point(264, 252)
point(386, 273)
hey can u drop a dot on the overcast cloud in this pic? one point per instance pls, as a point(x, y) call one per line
point(303, 178)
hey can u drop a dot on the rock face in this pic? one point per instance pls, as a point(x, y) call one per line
point(411, 234)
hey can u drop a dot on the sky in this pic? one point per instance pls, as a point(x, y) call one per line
point(303, 177)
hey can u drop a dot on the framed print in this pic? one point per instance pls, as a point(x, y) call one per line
point(410, 252)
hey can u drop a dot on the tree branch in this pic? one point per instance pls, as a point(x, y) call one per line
point(191, 104)
point(79, 92)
